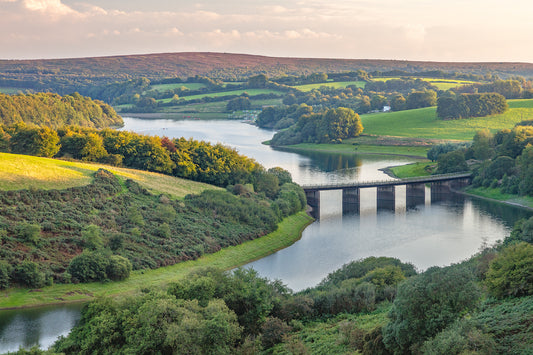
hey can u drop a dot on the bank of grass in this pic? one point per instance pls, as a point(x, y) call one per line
point(497, 195)
point(332, 84)
point(424, 123)
point(412, 151)
point(413, 170)
point(28, 172)
point(288, 232)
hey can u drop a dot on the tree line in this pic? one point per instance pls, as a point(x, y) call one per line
point(53, 110)
point(470, 105)
point(214, 164)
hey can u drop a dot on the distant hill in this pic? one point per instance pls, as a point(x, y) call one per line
point(232, 66)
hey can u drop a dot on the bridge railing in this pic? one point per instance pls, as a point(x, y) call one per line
point(420, 179)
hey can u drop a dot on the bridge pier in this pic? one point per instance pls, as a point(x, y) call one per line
point(386, 198)
point(350, 200)
point(313, 200)
point(439, 191)
point(415, 194)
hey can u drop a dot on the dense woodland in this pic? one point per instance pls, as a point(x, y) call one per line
point(52, 110)
point(470, 105)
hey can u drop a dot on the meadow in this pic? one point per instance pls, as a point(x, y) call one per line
point(28, 172)
point(423, 123)
point(250, 92)
point(441, 84)
point(332, 84)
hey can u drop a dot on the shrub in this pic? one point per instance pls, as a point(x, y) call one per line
point(27, 273)
point(88, 266)
point(5, 270)
point(273, 331)
point(30, 233)
point(511, 273)
point(91, 237)
point(119, 268)
point(428, 303)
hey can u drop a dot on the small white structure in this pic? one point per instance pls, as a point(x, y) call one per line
point(386, 108)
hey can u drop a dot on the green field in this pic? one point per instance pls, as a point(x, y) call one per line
point(495, 194)
point(333, 84)
point(250, 92)
point(165, 87)
point(441, 84)
point(424, 123)
point(289, 231)
point(413, 170)
point(28, 172)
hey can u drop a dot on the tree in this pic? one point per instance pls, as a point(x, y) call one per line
point(28, 274)
point(420, 99)
point(340, 123)
point(119, 268)
point(482, 144)
point(88, 266)
point(426, 304)
point(451, 162)
point(511, 273)
point(240, 103)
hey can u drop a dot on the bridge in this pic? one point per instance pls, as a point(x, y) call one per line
point(415, 191)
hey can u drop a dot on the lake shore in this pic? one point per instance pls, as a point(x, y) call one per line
point(289, 231)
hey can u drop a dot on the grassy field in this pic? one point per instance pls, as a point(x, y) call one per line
point(441, 84)
point(164, 87)
point(289, 231)
point(333, 84)
point(361, 149)
point(424, 123)
point(250, 92)
point(28, 172)
point(413, 170)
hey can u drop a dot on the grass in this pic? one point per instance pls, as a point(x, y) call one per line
point(11, 91)
point(289, 231)
point(415, 151)
point(495, 194)
point(250, 92)
point(441, 84)
point(413, 170)
point(424, 123)
point(334, 84)
point(28, 172)
point(165, 87)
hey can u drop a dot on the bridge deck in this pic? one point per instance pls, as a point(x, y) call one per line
point(417, 180)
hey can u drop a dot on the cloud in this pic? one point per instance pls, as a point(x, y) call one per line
point(54, 7)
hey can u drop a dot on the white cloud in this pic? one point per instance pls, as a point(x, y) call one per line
point(54, 7)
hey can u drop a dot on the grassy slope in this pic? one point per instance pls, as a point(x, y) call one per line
point(495, 194)
point(289, 231)
point(25, 172)
point(423, 122)
point(250, 92)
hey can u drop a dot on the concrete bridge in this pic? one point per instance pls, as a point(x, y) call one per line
point(415, 191)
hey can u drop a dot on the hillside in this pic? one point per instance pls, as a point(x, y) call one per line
point(27, 172)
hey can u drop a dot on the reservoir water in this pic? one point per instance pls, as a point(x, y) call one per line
point(432, 233)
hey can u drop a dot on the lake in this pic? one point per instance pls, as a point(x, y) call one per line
point(432, 233)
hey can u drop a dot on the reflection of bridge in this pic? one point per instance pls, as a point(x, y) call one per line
point(415, 191)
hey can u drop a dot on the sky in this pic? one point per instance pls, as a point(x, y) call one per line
point(434, 30)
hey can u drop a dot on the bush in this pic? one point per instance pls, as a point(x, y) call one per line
point(30, 233)
point(273, 331)
point(28, 274)
point(428, 303)
point(5, 270)
point(88, 267)
point(119, 268)
point(511, 273)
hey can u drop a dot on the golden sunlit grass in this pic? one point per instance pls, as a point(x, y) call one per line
point(28, 172)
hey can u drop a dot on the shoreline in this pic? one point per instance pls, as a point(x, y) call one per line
point(289, 231)
point(340, 151)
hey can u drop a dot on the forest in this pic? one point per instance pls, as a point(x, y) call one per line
point(52, 110)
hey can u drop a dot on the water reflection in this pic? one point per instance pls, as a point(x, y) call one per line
point(36, 326)
point(437, 233)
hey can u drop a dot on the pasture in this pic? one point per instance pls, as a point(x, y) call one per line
point(332, 84)
point(441, 84)
point(423, 122)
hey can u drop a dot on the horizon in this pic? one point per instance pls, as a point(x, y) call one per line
point(266, 56)
point(412, 30)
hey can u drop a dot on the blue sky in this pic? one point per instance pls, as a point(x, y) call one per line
point(437, 30)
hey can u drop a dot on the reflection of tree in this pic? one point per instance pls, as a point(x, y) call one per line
point(508, 214)
point(329, 162)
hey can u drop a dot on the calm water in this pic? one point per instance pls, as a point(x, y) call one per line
point(438, 233)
